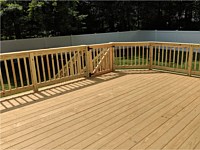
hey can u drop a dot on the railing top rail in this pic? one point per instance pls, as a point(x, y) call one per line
point(156, 43)
point(130, 43)
point(175, 44)
point(22, 53)
point(103, 45)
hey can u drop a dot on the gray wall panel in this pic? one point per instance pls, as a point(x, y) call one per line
point(128, 36)
point(83, 39)
point(21, 45)
point(57, 41)
point(178, 36)
point(144, 36)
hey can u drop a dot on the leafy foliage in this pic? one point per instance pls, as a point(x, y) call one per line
point(36, 18)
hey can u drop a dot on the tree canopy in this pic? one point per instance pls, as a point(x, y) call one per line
point(30, 19)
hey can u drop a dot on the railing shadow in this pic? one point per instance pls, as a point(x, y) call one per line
point(25, 99)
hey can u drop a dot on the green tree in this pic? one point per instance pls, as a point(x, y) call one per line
point(37, 18)
point(11, 17)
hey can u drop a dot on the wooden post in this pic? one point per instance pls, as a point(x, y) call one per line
point(88, 62)
point(109, 60)
point(151, 58)
point(190, 61)
point(112, 52)
point(33, 73)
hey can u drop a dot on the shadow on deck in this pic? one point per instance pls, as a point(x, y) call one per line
point(27, 98)
point(119, 110)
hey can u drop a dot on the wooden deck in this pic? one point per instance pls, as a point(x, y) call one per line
point(119, 110)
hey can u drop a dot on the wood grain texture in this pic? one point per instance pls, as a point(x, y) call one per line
point(121, 110)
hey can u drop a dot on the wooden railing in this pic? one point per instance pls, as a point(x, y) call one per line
point(15, 73)
point(22, 71)
point(132, 55)
point(183, 58)
point(28, 70)
point(177, 57)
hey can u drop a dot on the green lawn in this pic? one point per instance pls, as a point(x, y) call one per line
point(119, 61)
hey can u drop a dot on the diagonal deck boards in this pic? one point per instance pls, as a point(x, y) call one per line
point(123, 110)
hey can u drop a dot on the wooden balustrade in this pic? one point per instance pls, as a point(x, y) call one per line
point(15, 73)
point(195, 59)
point(30, 70)
point(132, 55)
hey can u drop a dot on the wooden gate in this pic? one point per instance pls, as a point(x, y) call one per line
point(100, 59)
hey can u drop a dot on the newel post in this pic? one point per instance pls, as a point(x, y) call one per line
point(33, 72)
point(112, 58)
point(190, 61)
point(151, 57)
point(88, 62)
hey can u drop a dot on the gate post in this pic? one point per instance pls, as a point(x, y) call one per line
point(88, 62)
point(112, 58)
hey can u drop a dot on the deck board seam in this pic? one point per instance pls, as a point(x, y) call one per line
point(88, 113)
point(91, 100)
point(189, 137)
point(173, 126)
point(88, 94)
point(154, 120)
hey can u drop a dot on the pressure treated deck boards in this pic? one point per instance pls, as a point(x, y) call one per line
point(121, 110)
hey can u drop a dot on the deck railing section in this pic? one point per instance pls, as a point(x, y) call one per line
point(176, 57)
point(131, 55)
point(58, 65)
point(22, 71)
point(171, 57)
point(195, 66)
point(15, 73)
